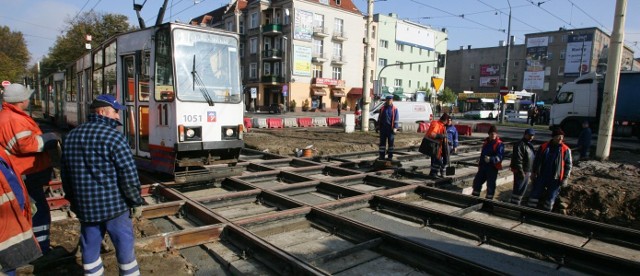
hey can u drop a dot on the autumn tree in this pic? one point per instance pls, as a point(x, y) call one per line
point(71, 45)
point(14, 55)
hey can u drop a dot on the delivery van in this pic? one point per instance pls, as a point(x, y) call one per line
point(409, 112)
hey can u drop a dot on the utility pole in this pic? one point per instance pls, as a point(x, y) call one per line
point(366, 97)
point(610, 92)
point(506, 67)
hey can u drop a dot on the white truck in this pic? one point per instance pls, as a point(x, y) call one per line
point(581, 101)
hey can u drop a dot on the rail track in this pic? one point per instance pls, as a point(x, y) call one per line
point(346, 214)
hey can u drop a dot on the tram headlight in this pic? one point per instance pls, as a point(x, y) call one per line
point(229, 132)
point(190, 133)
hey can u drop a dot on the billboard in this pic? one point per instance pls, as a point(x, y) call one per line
point(535, 62)
point(491, 81)
point(416, 36)
point(576, 54)
point(301, 60)
point(489, 69)
point(303, 28)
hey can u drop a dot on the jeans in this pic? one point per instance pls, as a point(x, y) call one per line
point(520, 183)
point(488, 174)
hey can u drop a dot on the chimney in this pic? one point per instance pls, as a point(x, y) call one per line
point(501, 43)
point(461, 47)
point(468, 47)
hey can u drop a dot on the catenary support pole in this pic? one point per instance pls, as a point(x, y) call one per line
point(506, 67)
point(366, 97)
point(611, 82)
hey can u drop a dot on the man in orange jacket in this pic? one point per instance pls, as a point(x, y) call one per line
point(24, 144)
point(438, 131)
point(18, 245)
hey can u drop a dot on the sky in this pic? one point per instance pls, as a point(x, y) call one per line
point(479, 23)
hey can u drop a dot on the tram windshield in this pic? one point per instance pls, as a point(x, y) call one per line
point(206, 66)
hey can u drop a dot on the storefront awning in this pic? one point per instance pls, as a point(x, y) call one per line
point(318, 92)
point(338, 93)
point(357, 91)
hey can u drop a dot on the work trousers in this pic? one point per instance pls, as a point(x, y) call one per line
point(120, 231)
point(386, 136)
point(541, 185)
point(35, 183)
point(520, 183)
point(487, 174)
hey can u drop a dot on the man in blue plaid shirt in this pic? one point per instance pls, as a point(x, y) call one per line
point(101, 182)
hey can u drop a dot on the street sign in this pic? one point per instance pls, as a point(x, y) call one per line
point(504, 90)
point(254, 92)
point(436, 83)
point(6, 83)
point(285, 90)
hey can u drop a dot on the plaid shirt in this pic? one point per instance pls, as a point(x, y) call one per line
point(98, 172)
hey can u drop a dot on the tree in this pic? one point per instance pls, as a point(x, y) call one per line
point(71, 45)
point(447, 96)
point(14, 55)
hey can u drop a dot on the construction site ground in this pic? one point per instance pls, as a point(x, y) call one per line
point(601, 191)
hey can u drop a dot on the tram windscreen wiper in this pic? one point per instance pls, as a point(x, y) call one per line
point(197, 80)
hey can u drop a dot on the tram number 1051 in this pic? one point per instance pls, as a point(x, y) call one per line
point(192, 118)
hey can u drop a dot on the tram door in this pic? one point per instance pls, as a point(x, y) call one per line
point(136, 96)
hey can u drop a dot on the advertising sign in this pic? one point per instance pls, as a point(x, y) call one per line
point(254, 92)
point(303, 28)
point(491, 81)
point(575, 54)
point(301, 60)
point(489, 69)
point(414, 35)
point(535, 62)
point(533, 80)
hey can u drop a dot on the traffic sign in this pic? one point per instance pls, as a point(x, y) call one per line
point(504, 90)
point(6, 83)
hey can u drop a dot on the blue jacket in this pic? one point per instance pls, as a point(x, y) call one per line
point(99, 175)
point(388, 118)
point(452, 136)
point(495, 150)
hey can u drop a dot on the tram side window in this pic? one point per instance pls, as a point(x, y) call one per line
point(110, 69)
point(129, 75)
point(71, 85)
point(143, 86)
point(98, 58)
point(164, 69)
point(131, 134)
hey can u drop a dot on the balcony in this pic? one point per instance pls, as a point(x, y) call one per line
point(318, 57)
point(272, 29)
point(340, 36)
point(271, 79)
point(272, 54)
point(320, 32)
point(340, 60)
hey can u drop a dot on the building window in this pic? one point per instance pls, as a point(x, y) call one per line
point(420, 52)
point(549, 55)
point(551, 39)
point(428, 53)
point(545, 87)
point(409, 83)
point(517, 63)
point(266, 67)
point(410, 67)
point(373, 54)
point(383, 81)
point(419, 67)
point(254, 20)
point(241, 25)
point(427, 67)
point(472, 77)
point(418, 86)
point(562, 53)
point(373, 32)
point(397, 82)
point(253, 70)
point(561, 71)
point(337, 51)
point(547, 70)
point(471, 66)
point(336, 73)
point(317, 47)
point(384, 43)
point(253, 45)
point(316, 70)
point(338, 26)
point(400, 47)
point(276, 69)
point(318, 20)
point(241, 49)
point(411, 49)
point(382, 62)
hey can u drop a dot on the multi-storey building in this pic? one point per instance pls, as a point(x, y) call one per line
point(558, 57)
point(482, 69)
point(407, 54)
point(307, 51)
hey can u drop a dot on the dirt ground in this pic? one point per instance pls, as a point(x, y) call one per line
point(601, 191)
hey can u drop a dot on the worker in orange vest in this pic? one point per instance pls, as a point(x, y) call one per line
point(551, 170)
point(438, 131)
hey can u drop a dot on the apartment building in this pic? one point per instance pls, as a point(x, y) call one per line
point(302, 51)
point(407, 53)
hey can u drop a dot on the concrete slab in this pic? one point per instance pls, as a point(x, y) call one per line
point(382, 266)
point(491, 219)
point(614, 250)
point(245, 210)
point(558, 236)
point(313, 198)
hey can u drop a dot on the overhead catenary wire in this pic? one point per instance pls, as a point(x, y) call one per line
point(459, 15)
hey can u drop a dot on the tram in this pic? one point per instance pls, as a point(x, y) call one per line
point(181, 87)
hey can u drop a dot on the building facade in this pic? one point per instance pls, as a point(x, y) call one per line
point(406, 57)
point(557, 57)
point(305, 51)
point(482, 69)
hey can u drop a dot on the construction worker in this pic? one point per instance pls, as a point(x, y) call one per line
point(551, 170)
point(25, 146)
point(490, 164)
point(18, 245)
point(521, 164)
point(387, 126)
point(438, 131)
